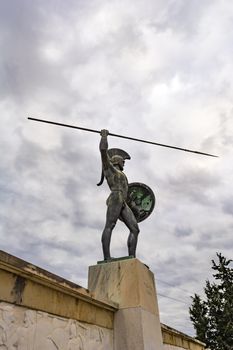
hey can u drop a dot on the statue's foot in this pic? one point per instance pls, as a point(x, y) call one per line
point(108, 258)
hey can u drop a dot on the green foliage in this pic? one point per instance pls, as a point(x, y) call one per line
point(213, 318)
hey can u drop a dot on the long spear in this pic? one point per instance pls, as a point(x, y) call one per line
point(121, 136)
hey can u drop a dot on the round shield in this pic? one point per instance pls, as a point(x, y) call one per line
point(141, 200)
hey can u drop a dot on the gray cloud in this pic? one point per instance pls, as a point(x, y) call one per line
point(183, 231)
point(227, 206)
point(196, 183)
point(183, 17)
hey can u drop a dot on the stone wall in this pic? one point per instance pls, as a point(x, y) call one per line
point(25, 329)
point(42, 311)
point(175, 340)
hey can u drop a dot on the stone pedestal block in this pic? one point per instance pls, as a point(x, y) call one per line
point(130, 284)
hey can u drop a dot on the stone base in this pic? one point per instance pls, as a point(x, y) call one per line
point(130, 284)
point(136, 328)
point(115, 259)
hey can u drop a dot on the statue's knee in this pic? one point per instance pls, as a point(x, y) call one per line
point(106, 234)
point(112, 225)
point(108, 228)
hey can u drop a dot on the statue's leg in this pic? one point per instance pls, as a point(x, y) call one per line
point(114, 208)
point(129, 219)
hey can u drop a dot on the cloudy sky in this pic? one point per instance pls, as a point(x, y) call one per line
point(159, 70)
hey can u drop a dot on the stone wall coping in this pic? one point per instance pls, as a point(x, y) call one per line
point(184, 336)
point(36, 274)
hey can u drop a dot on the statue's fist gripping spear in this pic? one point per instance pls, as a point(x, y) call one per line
point(117, 207)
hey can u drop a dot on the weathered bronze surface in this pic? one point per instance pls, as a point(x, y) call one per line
point(128, 206)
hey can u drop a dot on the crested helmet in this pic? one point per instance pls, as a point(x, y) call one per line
point(115, 155)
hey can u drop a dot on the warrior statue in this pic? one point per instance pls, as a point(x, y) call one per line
point(131, 203)
point(116, 202)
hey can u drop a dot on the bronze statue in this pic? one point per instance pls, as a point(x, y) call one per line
point(131, 203)
point(117, 207)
